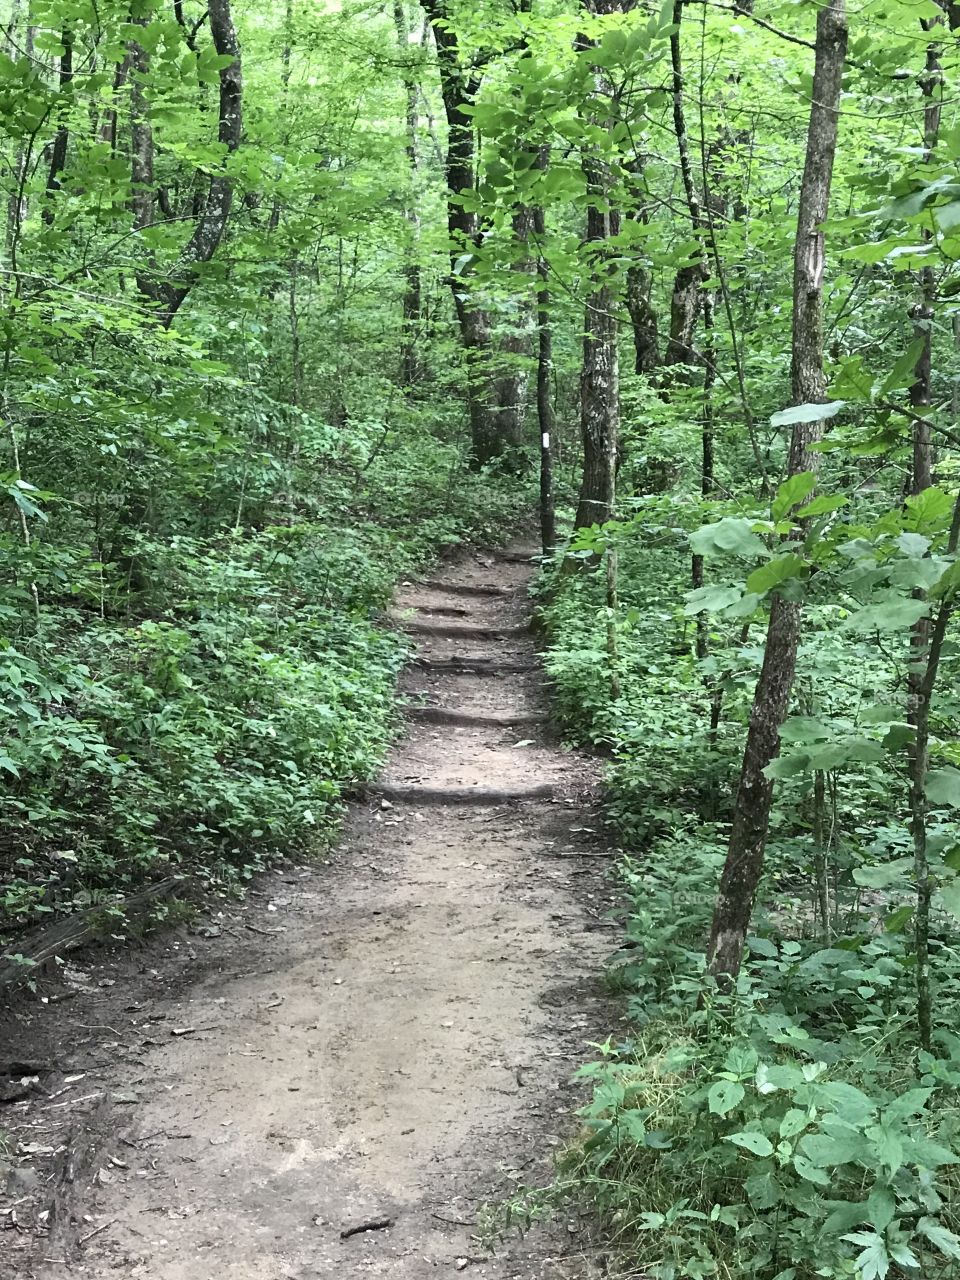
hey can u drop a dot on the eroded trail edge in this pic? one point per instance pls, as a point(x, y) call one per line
point(332, 1079)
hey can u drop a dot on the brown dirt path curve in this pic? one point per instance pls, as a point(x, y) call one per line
point(385, 1037)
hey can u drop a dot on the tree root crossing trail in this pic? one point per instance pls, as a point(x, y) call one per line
point(358, 1059)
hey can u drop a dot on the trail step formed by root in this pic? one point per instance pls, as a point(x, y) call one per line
point(417, 795)
point(330, 1078)
point(468, 719)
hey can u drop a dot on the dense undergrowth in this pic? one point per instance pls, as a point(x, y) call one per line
point(791, 1128)
point(213, 718)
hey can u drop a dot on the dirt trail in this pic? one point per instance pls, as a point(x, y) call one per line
point(382, 1038)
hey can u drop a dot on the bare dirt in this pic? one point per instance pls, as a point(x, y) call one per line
point(334, 1077)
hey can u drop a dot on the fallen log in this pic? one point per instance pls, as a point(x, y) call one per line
point(74, 930)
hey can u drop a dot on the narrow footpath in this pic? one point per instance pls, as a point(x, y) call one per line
point(334, 1078)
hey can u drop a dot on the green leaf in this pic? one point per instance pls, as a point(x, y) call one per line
point(940, 1237)
point(809, 1171)
point(821, 506)
point(826, 1150)
point(731, 535)
point(942, 787)
point(887, 1146)
point(906, 1105)
point(757, 1143)
point(806, 413)
point(881, 1207)
point(897, 615)
point(710, 599)
point(804, 729)
point(901, 375)
point(793, 1122)
point(898, 920)
point(792, 492)
point(771, 574)
point(948, 897)
point(724, 1095)
point(846, 1213)
point(763, 1190)
point(873, 1261)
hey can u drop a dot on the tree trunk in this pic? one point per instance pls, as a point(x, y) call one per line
point(924, 656)
point(457, 88)
point(545, 414)
point(599, 384)
point(141, 136)
point(58, 153)
point(412, 314)
point(751, 817)
point(643, 319)
point(212, 219)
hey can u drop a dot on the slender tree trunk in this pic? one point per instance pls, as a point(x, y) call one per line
point(545, 414)
point(58, 153)
point(600, 381)
point(17, 203)
point(410, 364)
point(924, 655)
point(919, 764)
point(141, 136)
point(751, 817)
point(643, 319)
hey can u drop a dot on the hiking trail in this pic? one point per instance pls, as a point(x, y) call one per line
point(331, 1078)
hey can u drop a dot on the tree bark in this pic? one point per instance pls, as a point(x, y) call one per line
point(751, 817)
point(141, 136)
point(58, 153)
point(600, 379)
point(212, 219)
point(412, 305)
point(924, 655)
point(457, 89)
point(545, 414)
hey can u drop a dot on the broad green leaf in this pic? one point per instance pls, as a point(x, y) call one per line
point(793, 1122)
point(763, 1190)
point(710, 599)
point(887, 1146)
point(897, 615)
point(724, 1095)
point(901, 375)
point(942, 787)
point(731, 535)
point(757, 1143)
point(809, 1171)
point(792, 492)
point(771, 574)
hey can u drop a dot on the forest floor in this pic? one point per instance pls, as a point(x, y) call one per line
point(386, 1037)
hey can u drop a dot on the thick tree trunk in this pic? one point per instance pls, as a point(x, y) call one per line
point(751, 817)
